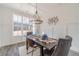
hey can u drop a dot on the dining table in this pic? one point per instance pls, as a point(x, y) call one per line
point(48, 44)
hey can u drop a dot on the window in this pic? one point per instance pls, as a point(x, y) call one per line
point(21, 25)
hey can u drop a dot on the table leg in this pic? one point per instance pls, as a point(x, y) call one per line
point(41, 51)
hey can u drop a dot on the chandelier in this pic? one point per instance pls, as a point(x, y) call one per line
point(53, 20)
point(37, 17)
point(36, 23)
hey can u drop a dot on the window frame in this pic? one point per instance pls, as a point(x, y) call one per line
point(22, 25)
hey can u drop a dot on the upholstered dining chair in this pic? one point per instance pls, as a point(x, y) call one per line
point(30, 44)
point(62, 48)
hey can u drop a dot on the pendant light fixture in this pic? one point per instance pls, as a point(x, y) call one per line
point(36, 23)
point(37, 17)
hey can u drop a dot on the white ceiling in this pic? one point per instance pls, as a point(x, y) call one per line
point(44, 9)
point(20, 6)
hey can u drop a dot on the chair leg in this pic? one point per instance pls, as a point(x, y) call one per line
point(32, 51)
point(27, 51)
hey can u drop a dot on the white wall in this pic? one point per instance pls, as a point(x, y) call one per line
point(6, 26)
point(68, 15)
point(73, 30)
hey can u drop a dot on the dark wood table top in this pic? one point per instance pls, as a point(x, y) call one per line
point(50, 43)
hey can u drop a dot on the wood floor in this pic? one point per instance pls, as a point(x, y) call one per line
point(20, 50)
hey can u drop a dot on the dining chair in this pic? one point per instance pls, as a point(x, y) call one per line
point(30, 44)
point(62, 48)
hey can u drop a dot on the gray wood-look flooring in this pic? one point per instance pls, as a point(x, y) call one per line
point(73, 53)
point(20, 50)
point(11, 50)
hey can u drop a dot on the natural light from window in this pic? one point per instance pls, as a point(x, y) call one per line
point(21, 24)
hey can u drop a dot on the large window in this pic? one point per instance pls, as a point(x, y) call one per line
point(21, 25)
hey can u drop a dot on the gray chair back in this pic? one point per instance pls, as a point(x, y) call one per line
point(63, 47)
